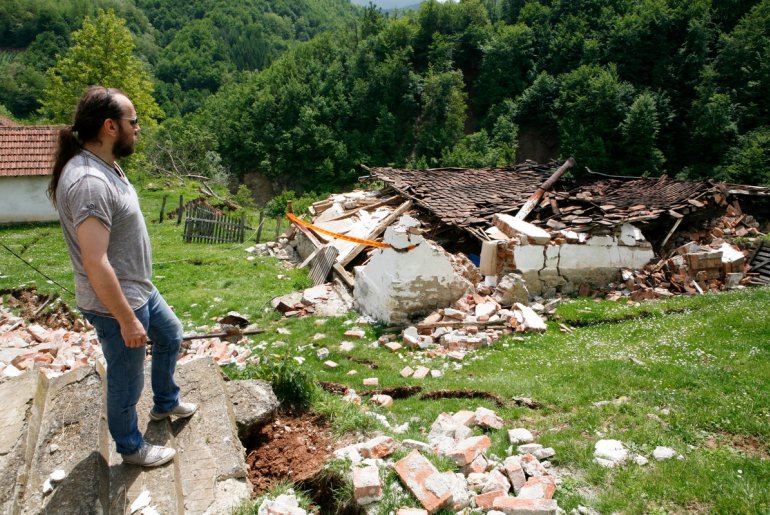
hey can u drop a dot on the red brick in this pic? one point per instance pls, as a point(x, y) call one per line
point(486, 500)
point(515, 472)
point(465, 417)
point(377, 447)
point(367, 487)
point(541, 487)
point(411, 511)
point(424, 481)
point(532, 466)
point(516, 506)
point(465, 451)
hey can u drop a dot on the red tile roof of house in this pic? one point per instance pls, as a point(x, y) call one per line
point(27, 150)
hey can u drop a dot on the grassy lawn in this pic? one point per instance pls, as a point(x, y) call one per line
point(695, 372)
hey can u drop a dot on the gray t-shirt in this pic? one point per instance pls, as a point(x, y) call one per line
point(90, 187)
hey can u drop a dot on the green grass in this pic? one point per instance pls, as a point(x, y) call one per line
point(695, 370)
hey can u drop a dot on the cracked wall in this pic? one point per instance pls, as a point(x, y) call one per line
point(562, 267)
point(399, 284)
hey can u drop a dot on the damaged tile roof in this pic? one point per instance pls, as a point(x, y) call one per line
point(468, 198)
point(27, 150)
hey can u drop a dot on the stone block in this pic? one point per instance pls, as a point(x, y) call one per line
point(465, 451)
point(424, 481)
point(541, 487)
point(544, 453)
point(377, 447)
point(371, 381)
point(393, 346)
point(367, 487)
point(421, 372)
point(516, 506)
point(406, 372)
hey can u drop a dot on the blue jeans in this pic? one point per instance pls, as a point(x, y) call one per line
point(125, 368)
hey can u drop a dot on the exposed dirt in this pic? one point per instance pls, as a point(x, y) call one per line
point(46, 310)
point(463, 394)
point(750, 445)
point(293, 447)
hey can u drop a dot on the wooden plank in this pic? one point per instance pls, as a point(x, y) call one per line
point(372, 206)
point(322, 264)
point(338, 269)
point(376, 232)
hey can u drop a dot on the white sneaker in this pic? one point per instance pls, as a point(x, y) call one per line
point(150, 455)
point(182, 410)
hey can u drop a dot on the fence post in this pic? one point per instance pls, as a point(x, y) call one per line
point(242, 228)
point(259, 226)
point(162, 209)
point(277, 227)
point(181, 210)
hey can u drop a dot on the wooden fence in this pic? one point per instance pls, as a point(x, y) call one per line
point(202, 225)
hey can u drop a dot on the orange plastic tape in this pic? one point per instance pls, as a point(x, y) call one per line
point(360, 241)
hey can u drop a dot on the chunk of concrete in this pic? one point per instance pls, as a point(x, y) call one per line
point(254, 403)
point(510, 289)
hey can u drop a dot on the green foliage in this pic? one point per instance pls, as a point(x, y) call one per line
point(640, 131)
point(277, 206)
point(748, 162)
point(293, 386)
point(180, 147)
point(592, 105)
point(102, 53)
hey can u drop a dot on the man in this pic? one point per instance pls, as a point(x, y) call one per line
point(110, 251)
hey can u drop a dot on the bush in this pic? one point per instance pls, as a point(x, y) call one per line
point(294, 386)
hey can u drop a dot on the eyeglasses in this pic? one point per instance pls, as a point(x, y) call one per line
point(133, 121)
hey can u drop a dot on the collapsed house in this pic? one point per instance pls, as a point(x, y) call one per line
point(637, 237)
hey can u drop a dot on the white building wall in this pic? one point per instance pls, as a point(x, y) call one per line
point(23, 199)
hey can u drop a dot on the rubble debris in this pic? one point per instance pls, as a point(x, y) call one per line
point(610, 453)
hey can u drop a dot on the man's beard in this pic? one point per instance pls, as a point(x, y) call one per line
point(124, 146)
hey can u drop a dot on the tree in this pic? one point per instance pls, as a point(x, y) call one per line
point(102, 53)
point(748, 162)
point(640, 132)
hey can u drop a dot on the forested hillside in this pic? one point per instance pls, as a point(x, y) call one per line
point(303, 91)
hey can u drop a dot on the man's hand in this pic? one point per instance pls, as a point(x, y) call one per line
point(133, 333)
point(94, 238)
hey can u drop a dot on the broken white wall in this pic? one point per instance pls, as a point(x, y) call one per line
point(550, 268)
point(395, 286)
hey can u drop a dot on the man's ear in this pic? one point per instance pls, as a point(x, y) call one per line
point(110, 127)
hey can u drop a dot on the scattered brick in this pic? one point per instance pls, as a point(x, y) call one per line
point(406, 372)
point(367, 487)
point(532, 466)
point(486, 500)
point(330, 364)
point(421, 372)
point(488, 418)
point(393, 346)
point(355, 333)
point(468, 449)
point(516, 506)
point(424, 481)
point(377, 447)
point(411, 511)
point(371, 381)
point(465, 417)
point(515, 472)
point(541, 487)
point(520, 436)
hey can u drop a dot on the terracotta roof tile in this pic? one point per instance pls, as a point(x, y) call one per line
point(27, 150)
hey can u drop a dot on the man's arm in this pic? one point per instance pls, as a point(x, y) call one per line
point(94, 238)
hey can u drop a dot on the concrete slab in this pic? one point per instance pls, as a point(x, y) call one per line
point(210, 455)
point(22, 398)
point(73, 438)
point(254, 403)
point(127, 482)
